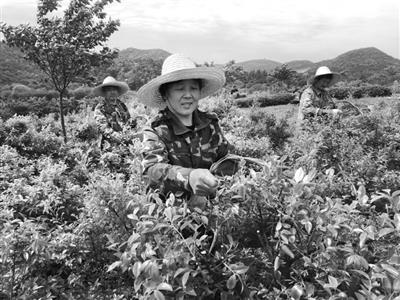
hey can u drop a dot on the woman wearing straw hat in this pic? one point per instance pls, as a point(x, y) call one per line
point(182, 142)
point(111, 114)
point(315, 100)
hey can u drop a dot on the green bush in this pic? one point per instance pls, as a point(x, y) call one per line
point(378, 91)
point(264, 100)
point(316, 219)
point(244, 102)
point(371, 91)
point(81, 92)
point(340, 93)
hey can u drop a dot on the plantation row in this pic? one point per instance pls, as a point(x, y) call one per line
point(320, 220)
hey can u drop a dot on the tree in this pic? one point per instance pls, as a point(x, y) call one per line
point(283, 74)
point(66, 47)
point(234, 72)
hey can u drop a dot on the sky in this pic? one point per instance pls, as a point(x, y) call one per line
point(222, 30)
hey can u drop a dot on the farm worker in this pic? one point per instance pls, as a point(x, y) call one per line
point(182, 142)
point(111, 114)
point(315, 99)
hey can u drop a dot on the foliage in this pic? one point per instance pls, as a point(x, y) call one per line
point(318, 219)
point(66, 47)
point(340, 93)
point(371, 91)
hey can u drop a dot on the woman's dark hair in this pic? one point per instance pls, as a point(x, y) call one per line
point(164, 87)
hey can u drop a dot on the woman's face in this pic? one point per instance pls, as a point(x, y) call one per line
point(111, 93)
point(323, 82)
point(182, 97)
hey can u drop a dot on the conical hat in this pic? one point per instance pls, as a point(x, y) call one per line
point(110, 81)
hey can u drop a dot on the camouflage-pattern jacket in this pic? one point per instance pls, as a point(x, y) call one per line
point(172, 150)
point(312, 101)
point(111, 118)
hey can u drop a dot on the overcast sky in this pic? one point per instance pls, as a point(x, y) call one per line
point(222, 30)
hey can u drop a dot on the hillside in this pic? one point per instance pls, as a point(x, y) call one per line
point(15, 69)
point(133, 54)
point(300, 66)
point(367, 64)
point(258, 64)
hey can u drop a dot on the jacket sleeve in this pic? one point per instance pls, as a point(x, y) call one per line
point(104, 127)
point(156, 167)
point(306, 103)
point(223, 147)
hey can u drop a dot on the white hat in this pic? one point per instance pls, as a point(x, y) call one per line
point(321, 71)
point(110, 81)
point(178, 67)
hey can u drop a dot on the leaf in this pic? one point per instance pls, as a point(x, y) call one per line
point(396, 220)
point(396, 284)
point(239, 268)
point(363, 239)
point(310, 176)
point(299, 175)
point(385, 231)
point(333, 282)
point(180, 271)
point(113, 266)
point(308, 226)
point(287, 251)
point(185, 278)
point(395, 259)
point(136, 269)
point(168, 213)
point(165, 287)
point(231, 283)
point(151, 209)
point(390, 270)
point(276, 263)
point(158, 295)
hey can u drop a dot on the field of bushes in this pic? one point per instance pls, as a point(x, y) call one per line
point(319, 219)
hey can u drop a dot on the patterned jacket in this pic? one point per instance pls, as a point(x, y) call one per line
point(172, 150)
point(111, 118)
point(312, 100)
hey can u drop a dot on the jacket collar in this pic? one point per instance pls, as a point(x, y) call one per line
point(199, 122)
point(318, 92)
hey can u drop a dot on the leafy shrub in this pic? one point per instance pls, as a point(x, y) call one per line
point(378, 91)
point(358, 93)
point(340, 93)
point(372, 91)
point(25, 134)
point(263, 124)
point(81, 92)
point(19, 90)
point(257, 87)
point(244, 102)
point(264, 100)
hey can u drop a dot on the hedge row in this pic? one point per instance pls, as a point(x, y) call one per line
point(22, 91)
point(39, 106)
point(341, 93)
point(263, 100)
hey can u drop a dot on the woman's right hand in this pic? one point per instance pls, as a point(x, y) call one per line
point(202, 182)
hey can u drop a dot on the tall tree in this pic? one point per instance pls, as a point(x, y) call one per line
point(65, 47)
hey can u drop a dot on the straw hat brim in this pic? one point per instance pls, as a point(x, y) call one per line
point(335, 78)
point(213, 79)
point(122, 87)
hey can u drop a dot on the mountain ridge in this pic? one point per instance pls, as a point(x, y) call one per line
point(369, 64)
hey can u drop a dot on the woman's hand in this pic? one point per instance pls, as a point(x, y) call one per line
point(202, 182)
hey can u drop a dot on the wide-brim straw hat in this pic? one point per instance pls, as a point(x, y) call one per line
point(322, 71)
point(111, 81)
point(177, 67)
